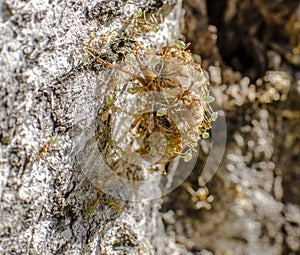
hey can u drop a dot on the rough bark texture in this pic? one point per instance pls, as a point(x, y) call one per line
point(47, 202)
point(251, 52)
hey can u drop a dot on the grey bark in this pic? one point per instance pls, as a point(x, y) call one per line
point(45, 89)
point(47, 92)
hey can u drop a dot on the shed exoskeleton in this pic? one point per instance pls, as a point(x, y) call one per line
point(164, 97)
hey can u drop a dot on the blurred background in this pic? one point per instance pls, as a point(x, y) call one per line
point(251, 51)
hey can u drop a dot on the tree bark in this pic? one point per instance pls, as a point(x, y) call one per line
point(48, 205)
point(49, 96)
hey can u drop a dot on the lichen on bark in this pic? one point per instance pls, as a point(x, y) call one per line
point(250, 50)
point(46, 199)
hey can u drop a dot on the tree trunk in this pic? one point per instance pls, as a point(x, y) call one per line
point(48, 205)
point(51, 90)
